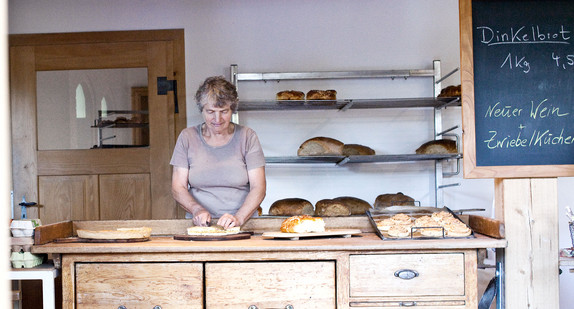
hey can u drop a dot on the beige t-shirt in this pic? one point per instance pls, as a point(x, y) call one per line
point(218, 175)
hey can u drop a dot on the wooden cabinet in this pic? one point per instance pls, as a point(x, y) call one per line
point(271, 285)
point(139, 285)
point(433, 280)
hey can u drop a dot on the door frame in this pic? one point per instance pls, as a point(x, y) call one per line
point(25, 161)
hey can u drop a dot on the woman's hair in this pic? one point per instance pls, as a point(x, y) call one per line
point(218, 90)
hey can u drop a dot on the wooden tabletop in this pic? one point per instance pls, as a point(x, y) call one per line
point(364, 241)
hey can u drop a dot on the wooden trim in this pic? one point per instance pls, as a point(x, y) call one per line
point(95, 37)
point(89, 161)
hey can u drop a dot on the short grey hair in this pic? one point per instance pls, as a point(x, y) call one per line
point(218, 90)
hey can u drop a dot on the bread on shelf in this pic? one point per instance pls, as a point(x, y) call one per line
point(291, 207)
point(357, 150)
point(355, 205)
point(331, 208)
point(290, 95)
point(439, 146)
point(450, 91)
point(321, 146)
point(393, 199)
point(321, 95)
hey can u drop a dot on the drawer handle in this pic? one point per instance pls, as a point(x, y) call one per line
point(289, 307)
point(122, 307)
point(156, 307)
point(406, 274)
point(252, 307)
point(407, 303)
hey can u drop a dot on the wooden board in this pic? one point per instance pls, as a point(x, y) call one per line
point(297, 236)
point(90, 240)
point(245, 235)
point(486, 226)
point(44, 234)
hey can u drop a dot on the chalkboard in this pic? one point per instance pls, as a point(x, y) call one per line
point(523, 83)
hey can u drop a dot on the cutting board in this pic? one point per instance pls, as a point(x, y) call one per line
point(328, 233)
point(90, 240)
point(244, 235)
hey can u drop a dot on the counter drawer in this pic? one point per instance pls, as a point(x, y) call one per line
point(301, 284)
point(139, 285)
point(397, 275)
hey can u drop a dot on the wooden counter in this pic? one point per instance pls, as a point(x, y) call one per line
point(362, 271)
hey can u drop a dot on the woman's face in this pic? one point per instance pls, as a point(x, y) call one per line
point(217, 119)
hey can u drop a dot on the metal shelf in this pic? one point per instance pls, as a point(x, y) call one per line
point(342, 105)
point(341, 160)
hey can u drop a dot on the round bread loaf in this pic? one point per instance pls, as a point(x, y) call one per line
point(291, 207)
point(355, 205)
point(439, 146)
point(357, 150)
point(331, 208)
point(451, 91)
point(321, 146)
point(290, 95)
point(303, 224)
point(322, 95)
point(393, 199)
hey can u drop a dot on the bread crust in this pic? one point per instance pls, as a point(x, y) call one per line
point(322, 94)
point(120, 233)
point(290, 95)
point(321, 146)
point(451, 91)
point(356, 205)
point(291, 207)
point(439, 146)
point(331, 208)
point(357, 150)
point(393, 199)
point(212, 231)
point(303, 224)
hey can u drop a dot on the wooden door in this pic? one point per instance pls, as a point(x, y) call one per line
point(97, 183)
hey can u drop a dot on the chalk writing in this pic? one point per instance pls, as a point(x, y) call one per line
point(523, 35)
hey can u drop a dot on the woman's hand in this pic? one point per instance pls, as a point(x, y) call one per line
point(228, 221)
point(201, 218)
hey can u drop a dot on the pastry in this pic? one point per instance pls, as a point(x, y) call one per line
point(457, 230)
point(431, 231)
point(321, 146)
point(402, 219)
point(399, 231)
point(215, 230)
point(439, 146)
point(385, 224)
point(393, 199)
point(331, 208)
point(356, 205)
point(357, 150)
point(441, 216)
point(291, 207)
point(290, 95)
point(303, 224)
point(322, 95)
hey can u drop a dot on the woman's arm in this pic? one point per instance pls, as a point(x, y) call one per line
point(179, 181)
point(257, 191)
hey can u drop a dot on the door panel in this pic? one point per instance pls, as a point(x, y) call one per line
point(161, 53)
point(125, 197)
point(68, 198)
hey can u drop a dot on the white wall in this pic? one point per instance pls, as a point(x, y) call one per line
point(301, 35)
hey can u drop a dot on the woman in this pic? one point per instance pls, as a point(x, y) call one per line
point(221, 163)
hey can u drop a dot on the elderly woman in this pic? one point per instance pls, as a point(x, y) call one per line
point(218, 166)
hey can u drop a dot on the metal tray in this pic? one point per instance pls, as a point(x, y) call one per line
point(414, 230)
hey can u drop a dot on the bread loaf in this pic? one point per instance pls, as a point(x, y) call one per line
point(355, 205)
point(321, 146)
point(322, 95)
point(303, 224)
point(331, 208)
point(439, 146)
point(393, 199)
point(120, 233)
point(291, 207)
point(290, 95)
point(357, 150)
point(451, 91)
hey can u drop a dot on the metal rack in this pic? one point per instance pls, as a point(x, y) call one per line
point(100, 123)
point(437, 104)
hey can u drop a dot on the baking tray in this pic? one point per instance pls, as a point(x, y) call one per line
point(416, 212)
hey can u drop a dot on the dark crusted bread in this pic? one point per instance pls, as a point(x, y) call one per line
point(439, 146)
point(321, 146)
point(331, 208)
point(356, 205)
point(290, 95)
point(291, 207)
point(393, 199)
point(322, 95)
point(357, 150)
